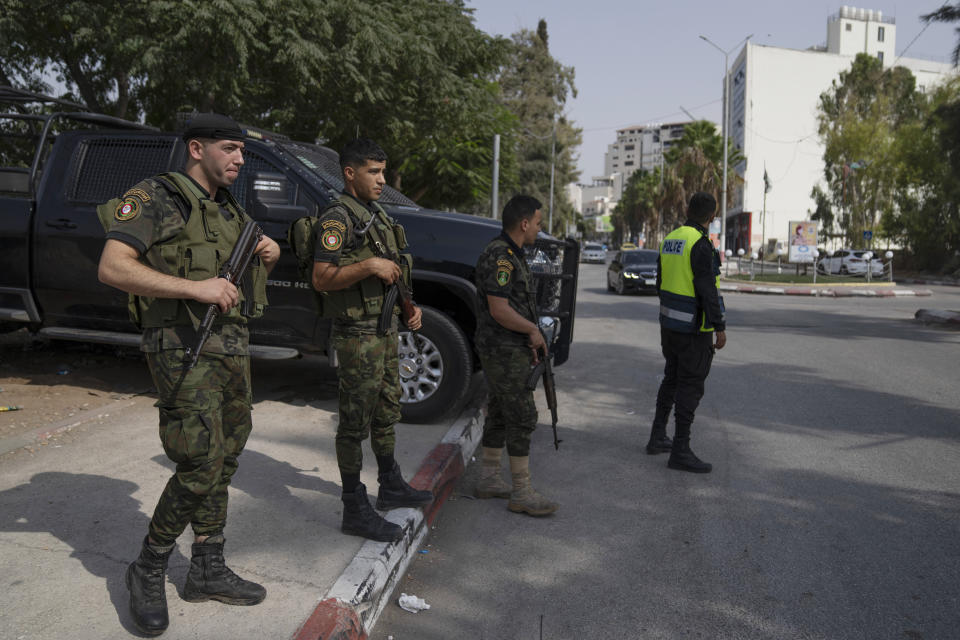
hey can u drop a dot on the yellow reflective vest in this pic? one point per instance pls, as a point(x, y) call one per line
point(679, 310)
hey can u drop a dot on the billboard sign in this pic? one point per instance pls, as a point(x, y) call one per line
point(803, 241)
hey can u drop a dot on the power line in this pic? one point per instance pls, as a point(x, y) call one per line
point(917, 37)
point(656, 119)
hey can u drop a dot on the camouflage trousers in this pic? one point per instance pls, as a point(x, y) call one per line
point(511, 410)
point(204, 425)
point(369, 390)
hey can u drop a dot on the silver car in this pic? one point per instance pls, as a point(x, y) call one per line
point(593, 252)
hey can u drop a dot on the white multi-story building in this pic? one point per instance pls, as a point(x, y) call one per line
point(774, 98)
point(639, 147)
point(596, 201)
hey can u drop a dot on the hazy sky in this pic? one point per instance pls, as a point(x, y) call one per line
point(638, 61)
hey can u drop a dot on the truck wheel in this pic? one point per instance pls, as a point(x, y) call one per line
point(435, 372)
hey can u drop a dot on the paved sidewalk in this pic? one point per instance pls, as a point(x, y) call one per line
point(74, 507)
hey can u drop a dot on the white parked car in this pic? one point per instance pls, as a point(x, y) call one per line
point(593, 252)
point(850, 262)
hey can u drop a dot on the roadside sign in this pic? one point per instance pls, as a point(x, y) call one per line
point(868, 235)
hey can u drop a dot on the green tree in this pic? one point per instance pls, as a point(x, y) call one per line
point(927, 217)
point(640, 206)
point(947, 13)
point(859, 120)
point(695, 163)
point(535, 88)
point(414, 74)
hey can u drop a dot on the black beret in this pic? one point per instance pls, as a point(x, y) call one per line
point(214, 126)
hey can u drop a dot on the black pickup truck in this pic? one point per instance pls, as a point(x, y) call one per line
point(56, 167)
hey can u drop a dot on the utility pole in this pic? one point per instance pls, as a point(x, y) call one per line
point(496, 177)
point(726, 133)
point(553, 165)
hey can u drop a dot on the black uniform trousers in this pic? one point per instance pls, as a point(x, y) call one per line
point(688, 357)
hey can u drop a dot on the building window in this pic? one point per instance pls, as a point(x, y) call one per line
point(628, 163)
point(879, 34)
point(849, 27)
point(880, 56)
point(629, 147)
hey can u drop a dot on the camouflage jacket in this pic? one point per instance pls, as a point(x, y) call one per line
point(150, 215)
point(502, 271)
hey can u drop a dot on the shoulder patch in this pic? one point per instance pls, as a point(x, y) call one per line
point(139, 193)
point(334, 224)
point(128, 209)
point(674, 247)
point(505, 264)
point(503, 276)
point(331, 238)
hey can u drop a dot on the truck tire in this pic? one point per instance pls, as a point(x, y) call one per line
point(435, 373)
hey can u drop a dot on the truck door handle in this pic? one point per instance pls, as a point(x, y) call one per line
point(62, 223)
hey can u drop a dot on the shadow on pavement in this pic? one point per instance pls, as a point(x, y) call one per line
point(83, 511)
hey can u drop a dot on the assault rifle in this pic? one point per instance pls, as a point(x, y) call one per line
point(233, 270)
point(544, 369)
point(398, 289)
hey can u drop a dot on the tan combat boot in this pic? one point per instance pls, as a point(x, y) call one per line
point(491, 484)
point(523, 498)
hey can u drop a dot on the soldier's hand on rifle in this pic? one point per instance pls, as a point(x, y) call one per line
point(537, 344)
point(218, 291)
point(415, 321)
point(386, 270)
point(269, 252)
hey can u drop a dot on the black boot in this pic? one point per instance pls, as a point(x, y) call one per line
point(683, 459)
point(210, 578)
point(659, 442)
point(148, 597)
point(395, 492)
point(359, 518)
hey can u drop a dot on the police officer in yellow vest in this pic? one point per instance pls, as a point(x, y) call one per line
point(691, 328)
point(166, 239)
point(353, 280)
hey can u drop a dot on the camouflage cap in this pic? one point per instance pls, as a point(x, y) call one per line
point(214, 126)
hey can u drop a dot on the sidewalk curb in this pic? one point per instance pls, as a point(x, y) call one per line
point(40, 435)
point(938, 316)
point(352, 605)
point(825, 292)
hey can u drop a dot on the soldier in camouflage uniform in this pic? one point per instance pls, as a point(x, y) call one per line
point(352, 280)
point(510, 342)
point(166, 240)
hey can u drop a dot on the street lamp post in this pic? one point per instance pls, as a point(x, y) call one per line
point(726, 133)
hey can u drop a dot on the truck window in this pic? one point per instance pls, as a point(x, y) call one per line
point(18, 142)
point(104, 168)
point(253, 162)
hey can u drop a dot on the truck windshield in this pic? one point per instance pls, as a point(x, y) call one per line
point(326, 163)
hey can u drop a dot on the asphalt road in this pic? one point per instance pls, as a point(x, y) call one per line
point(833, 510)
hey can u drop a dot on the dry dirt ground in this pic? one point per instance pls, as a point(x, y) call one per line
point(52, 380)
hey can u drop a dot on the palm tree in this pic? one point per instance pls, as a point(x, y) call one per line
point(947, 13)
